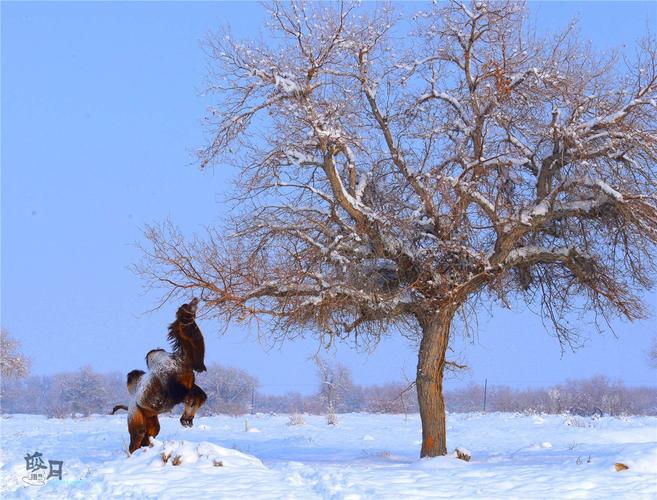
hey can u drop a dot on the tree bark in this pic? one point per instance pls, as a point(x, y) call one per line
point(429, 382)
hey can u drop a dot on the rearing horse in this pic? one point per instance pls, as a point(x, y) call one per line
point(170, 379)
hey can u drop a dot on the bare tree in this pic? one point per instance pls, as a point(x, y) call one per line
point(12, 363)
point(395, 174)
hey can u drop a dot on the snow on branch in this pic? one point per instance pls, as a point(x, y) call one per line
point(609, 119)
point(550, 209)
point(470, 191)
point(452, 101)
point(537, 254)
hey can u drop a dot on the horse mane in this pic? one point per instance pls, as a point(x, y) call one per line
point(186, 338)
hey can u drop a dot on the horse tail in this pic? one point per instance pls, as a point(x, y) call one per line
point(119, 407)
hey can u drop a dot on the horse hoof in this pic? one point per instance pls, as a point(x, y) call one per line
point(186, 422)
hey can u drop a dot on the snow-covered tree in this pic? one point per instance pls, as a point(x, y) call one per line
point(12, 363)
point(335, 384)
point(229, 390)
point(394, 174)
point(83, 392)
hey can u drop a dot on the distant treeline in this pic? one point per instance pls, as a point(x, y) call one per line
point(234, 391)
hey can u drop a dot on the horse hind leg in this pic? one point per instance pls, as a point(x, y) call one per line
point(136, 441)
point(137, 429)
point(193, 401)
point(152, 430)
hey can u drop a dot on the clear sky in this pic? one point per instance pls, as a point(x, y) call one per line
point(101, 108)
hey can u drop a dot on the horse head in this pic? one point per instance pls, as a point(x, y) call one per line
point(186, 337)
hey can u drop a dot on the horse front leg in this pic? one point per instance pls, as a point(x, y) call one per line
point(193, 401)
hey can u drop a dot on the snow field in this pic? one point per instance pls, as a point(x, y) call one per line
point(363, 456)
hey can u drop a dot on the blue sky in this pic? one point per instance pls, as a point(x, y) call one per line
point(101, 109)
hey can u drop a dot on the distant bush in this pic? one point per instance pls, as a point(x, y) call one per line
point(331, 416)
point(296, 419)
point(65, 394)
point(390, 398)
point(575, 421)
point(233, 391)
point(587, 397)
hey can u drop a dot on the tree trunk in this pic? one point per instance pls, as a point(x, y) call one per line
point(429, 382)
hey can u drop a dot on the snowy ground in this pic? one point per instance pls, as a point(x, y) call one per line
point(364, 456)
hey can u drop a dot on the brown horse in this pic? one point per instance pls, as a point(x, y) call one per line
point(170, 380)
